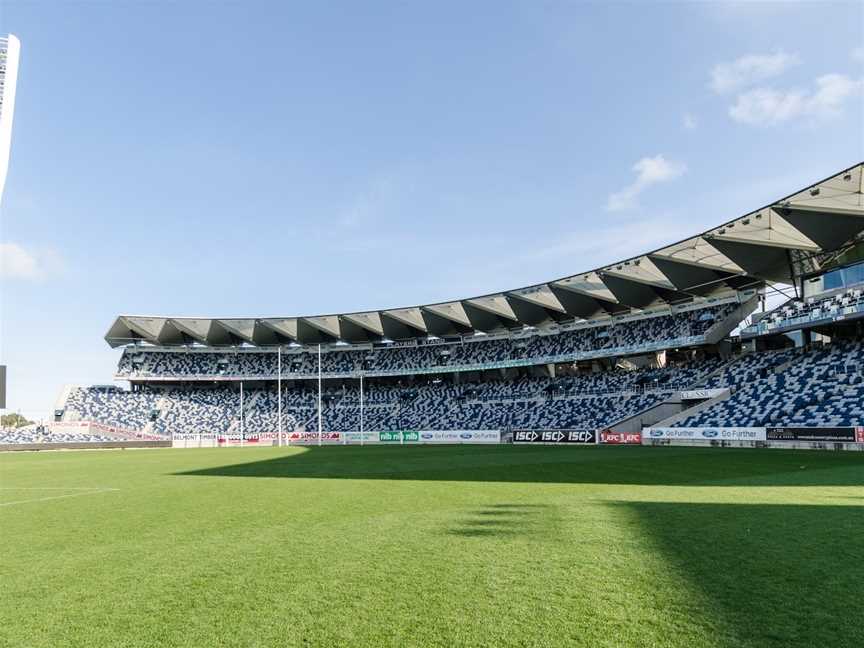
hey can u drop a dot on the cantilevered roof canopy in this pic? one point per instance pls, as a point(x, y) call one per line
point(773, 244)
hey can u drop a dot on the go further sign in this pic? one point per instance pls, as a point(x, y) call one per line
point(705, 434)
point(460, 436)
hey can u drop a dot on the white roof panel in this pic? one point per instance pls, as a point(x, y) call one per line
point(828, 210)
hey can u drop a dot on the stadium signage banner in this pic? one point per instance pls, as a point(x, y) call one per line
point(236, 439)
point(555, 436)
point(355, 437)
point(706, 434)
point(620, 438)
point(699, 394)
point(312, 437)
point(835, 434)
point(399, 436)
point(460, 436)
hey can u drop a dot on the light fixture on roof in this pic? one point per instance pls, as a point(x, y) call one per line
point(847, 176)
point(746, 221)
point(815, 191)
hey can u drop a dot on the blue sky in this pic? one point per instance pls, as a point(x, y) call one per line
point(228, 159)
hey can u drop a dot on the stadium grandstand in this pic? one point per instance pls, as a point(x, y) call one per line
point(677, 338)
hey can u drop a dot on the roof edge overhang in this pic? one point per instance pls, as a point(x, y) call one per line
point(827, 213)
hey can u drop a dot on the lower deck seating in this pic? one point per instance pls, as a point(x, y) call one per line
point(819, 387)
point(34, 435)
point(585, 401)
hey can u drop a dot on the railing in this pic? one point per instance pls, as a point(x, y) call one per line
point(791, 323)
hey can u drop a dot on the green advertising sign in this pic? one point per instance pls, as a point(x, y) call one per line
point(404, 436)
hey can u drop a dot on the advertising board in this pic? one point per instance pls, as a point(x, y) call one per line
point(620, 438)
point(830, 434)
point(312, 437)
point(555, 436)
point(460, 436)
point(701, 394)
point(706, 433)
point(399, 436)
point(354, 437)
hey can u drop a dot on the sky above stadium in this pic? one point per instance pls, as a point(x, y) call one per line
point(228, 159)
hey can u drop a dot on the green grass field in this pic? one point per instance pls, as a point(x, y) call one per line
point(432, 546)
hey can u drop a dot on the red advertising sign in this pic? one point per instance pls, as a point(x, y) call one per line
point(236, 440)
point(859, 434)
point(621, 438)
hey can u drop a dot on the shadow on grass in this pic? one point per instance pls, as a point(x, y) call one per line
point(769, 575)
point(549, 464)
point(506, 520)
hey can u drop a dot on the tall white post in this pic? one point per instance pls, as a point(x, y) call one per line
point(361, 408)
point(279, 393)
point(320, 423)
point(241, 414)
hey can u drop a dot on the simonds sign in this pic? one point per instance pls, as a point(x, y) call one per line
point(555, 436)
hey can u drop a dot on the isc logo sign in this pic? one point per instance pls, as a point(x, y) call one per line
point(554, 436)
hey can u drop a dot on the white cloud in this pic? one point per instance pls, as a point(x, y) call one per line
point(767, 106)
point(17, 262)
point(832, 90)
point(689, 122)
point(750, 69)
point(649, 171)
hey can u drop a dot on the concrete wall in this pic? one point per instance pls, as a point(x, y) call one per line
point(663, 411)
point(685, 412)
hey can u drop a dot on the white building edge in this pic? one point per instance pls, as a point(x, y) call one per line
point(10, 56)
